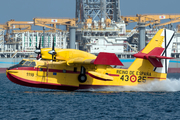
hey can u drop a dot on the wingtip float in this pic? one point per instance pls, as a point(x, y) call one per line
point(69, 69)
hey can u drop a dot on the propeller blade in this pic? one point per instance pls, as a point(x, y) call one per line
point(52, 52)
point(53, 44)
point(40, 43)
point(38, 50)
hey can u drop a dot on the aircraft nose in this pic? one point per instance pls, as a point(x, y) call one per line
point(7, 72)
point(10, 71)
point(14, 66)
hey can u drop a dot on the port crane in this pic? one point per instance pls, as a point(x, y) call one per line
point(154, 20)
point(23, 26)
point(53, 22)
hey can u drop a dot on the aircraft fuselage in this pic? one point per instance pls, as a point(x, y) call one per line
point(59, 75)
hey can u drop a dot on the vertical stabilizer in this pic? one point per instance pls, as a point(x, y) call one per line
point(155, 56)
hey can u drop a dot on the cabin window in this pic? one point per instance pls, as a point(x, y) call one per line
point(32, 64)
point(27, 63)
point(22, 62)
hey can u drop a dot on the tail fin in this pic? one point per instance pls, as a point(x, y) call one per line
point(155, 56)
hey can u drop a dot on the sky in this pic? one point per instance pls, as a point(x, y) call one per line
point(133, 7)
point(26, 10)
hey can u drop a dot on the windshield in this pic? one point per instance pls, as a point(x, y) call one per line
point(22, 62)
point(32, 64)
point(27, 63)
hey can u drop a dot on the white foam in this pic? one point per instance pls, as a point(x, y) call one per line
point(169, 85)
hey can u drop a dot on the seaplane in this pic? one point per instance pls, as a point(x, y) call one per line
point(71, 69)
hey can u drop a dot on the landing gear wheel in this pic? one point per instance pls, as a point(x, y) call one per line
point(82, 78)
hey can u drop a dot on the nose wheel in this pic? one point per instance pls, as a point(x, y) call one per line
point(82, 77)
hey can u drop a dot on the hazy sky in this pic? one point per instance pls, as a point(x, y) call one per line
point(133, 7)
point(26, 10)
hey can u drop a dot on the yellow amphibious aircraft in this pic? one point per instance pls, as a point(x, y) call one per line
point(70, 69)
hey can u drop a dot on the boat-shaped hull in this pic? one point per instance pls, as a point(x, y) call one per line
point(29, 83)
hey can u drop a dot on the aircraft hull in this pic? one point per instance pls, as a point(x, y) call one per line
point(56, 79)
point(29, 83)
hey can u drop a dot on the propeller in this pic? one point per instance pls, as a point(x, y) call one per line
point(52, 52)
point(38, 49)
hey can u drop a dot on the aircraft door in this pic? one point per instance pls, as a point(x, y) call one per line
point(71, 76)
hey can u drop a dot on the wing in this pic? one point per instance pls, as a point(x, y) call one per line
point(102, 59)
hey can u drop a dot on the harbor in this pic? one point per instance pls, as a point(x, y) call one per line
point(98, 26)
point(89, 59)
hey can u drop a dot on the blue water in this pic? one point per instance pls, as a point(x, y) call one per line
point(156, 100)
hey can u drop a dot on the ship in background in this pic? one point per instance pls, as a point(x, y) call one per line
point(98, 27)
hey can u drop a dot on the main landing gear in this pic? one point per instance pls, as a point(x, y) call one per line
point(82, 77)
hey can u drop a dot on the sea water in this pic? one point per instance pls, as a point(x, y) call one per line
point(154, 100)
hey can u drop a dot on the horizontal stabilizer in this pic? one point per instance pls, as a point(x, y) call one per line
point(107, 59)
point(154, 56)
point(156, 60)
point(100, 76)
point(161, 57)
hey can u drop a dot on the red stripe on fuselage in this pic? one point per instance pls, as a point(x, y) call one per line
point(25, 68)
point(113, 75)
point(52, 70)
point(45, 69)
point(61, 71)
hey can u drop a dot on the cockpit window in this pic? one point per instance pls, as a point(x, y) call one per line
point(32, 64)
point(22, 62)
point(27, 63)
